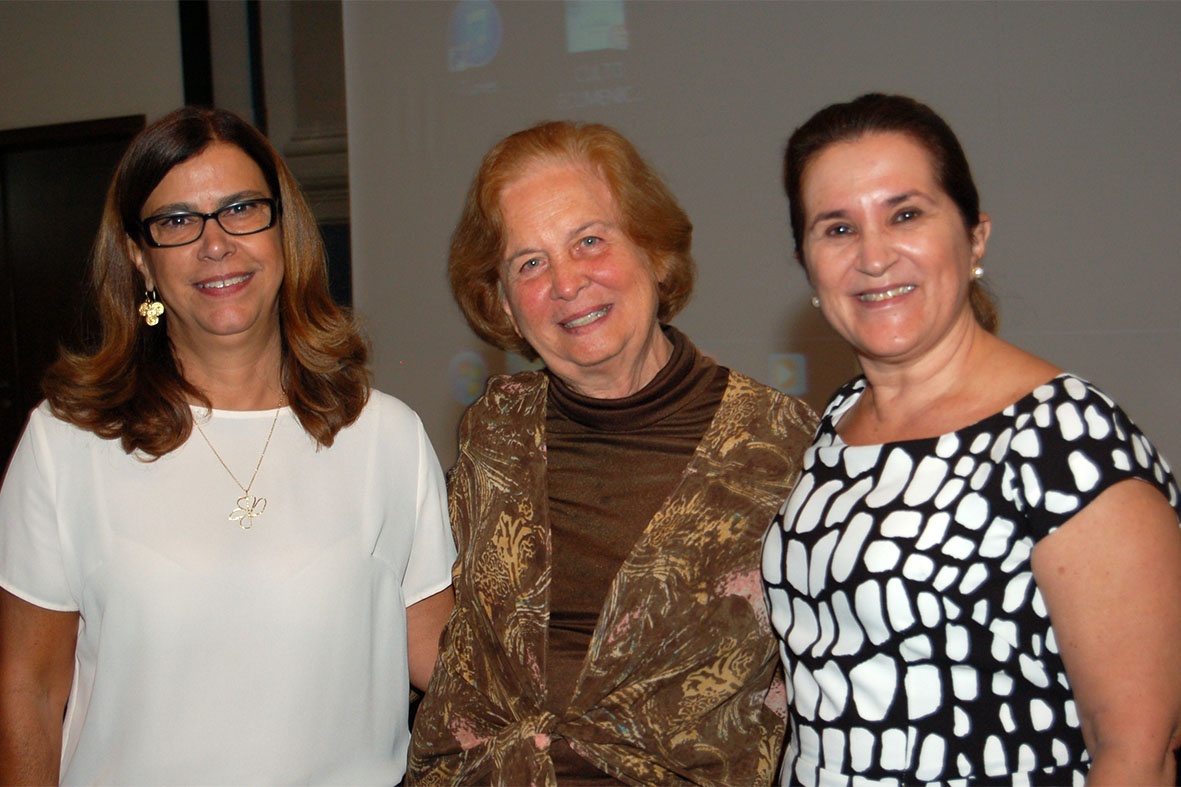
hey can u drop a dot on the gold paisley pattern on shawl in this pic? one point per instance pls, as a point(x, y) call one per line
point(682, 682)
point(488, 684)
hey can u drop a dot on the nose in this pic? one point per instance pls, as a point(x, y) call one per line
point(566, 279)
point(875, 253)
point(214, 243)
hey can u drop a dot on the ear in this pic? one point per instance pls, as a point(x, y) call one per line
point(508, 310)
point(800, 259)
point(980, 235)
point(136, 252)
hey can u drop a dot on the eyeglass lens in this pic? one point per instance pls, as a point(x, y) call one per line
point(241, 218)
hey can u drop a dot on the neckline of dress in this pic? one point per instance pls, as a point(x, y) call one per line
point(831, 419)
point(200, 410)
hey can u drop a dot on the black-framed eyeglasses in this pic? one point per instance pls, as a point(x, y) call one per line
point(184, 227)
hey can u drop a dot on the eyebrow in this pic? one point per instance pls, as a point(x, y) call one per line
point(898, 200)
point(577, 231)
point(224, 202)
point(891, 202)
point(826, 216)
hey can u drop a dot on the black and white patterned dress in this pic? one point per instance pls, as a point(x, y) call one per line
point(916, 644)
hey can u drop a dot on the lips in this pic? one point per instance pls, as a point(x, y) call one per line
point(885, 295)
point(587, 319)
point(221, 284)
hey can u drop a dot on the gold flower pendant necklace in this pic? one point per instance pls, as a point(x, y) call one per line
point(248, 506)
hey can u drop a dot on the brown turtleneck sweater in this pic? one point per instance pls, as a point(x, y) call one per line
point(610, 464)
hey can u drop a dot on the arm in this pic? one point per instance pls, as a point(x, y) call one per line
point(1111, 579)
point(424, 625)
point(36, 670)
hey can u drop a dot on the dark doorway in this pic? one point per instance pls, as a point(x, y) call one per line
point(53, 181)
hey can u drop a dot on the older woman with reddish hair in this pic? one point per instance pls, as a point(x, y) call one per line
point(608, 510)
point(224, 556)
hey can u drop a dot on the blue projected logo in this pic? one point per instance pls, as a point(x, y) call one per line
point(473, 36)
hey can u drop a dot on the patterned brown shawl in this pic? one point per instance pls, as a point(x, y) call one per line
point(682, 680)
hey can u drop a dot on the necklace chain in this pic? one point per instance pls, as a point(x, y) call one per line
point(248, 506)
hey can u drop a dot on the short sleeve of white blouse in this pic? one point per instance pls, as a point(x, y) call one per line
point(914, 637)
point(212, 654)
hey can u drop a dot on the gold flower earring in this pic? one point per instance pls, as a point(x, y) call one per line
point(151, 309)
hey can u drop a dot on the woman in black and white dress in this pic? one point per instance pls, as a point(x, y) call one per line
point(977, 577)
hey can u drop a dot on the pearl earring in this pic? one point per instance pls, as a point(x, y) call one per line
point(978, 272)
point(815, 302)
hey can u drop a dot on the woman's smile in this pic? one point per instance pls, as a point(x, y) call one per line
point(878, 296)
point(222, 283)
point(587, 319)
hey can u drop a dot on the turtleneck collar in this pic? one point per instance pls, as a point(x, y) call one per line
point(683, 377)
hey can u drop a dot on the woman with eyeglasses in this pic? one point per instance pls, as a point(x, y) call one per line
point(223, 556)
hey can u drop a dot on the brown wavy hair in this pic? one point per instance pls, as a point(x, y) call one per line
point(875, 113)
point(651, 218)
point(126, 384)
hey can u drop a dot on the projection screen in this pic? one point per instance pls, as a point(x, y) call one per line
point(1069, 113)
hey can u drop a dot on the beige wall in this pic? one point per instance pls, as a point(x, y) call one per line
point(69, 61)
